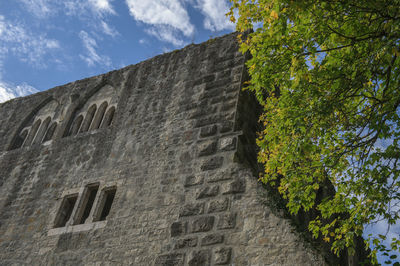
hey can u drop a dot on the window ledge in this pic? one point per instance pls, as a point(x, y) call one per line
point(77, 228)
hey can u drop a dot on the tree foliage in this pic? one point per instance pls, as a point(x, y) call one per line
point(327, 74)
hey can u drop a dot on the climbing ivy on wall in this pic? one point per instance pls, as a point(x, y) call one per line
point(327, 74)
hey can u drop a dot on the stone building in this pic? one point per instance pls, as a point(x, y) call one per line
point(152, 164)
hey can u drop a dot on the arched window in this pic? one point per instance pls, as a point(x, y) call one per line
point(99, 116)
point(108, 118)
point(88, 118)
point(50, 132)
point(19, 140)
point(32, 133)
point(76, 125)
point(42, 130)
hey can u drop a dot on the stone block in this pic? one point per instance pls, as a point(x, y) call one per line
point(185, 157)
point(170, 259)
point(226, 126)
point(217, 84)
point(208, 191)
point(178, 228)
point(227, 144)
point(222, 255)
point(224, 74)
point(234, 187)
point(208, 131)
point(193, 180)
point(189, 135)
point(212, 93)
point(219, 176)
point(192, 209)
point(228, 106)
point(200, 258)
point(203, 224)
point(205, 121)
point(207, 148)
point(186, 243)
point(227, 221)
point(212, 239)
point(218, 205)
point(212, 163)
point(205, 79)
point(202, 111)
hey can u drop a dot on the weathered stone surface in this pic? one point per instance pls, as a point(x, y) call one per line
point(208, 191)
point(221, 176)
point(205, 121)
point(178, 228)
point(170, 260)
point(207, 148)
point(212, 239)
point(194, 180)
point(208, 131)
point(186, 243)
point(200, 258)
point(226, 221)
point(226, 126)
point(237, 186)
point(192, 209)
point(222, 255)
point(212, 163)
point(218, 205)
point(203, 224)
point(227, 144)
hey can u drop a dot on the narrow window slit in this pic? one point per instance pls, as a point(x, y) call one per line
point(91, 196)
point(50, 132)
point(64, 214)
point(108, 117)
point(19, 140)
point(106, 203)
point(88, 118)
point(76, 125)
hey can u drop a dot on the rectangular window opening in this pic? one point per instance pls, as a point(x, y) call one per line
point(107, 201)
point(64, 214)
point(91, 196)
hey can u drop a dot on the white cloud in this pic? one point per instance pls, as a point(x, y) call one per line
point(26, 46)
point(45, 8)
point(167, 18)
point(166, 34)
point(92, 57)
point(162, 12)
point(214, 12)
point(102, 6)
point(39, 8)
point(8, 91)
point(109, 30)
point(2, 25)
point(88, 8)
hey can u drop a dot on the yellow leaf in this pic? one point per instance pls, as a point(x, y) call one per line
point(274, 14)
point(327, 239)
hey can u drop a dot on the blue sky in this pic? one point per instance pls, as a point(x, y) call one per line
point(46, 43)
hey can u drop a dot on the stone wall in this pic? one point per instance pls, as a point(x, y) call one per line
point(177, 151)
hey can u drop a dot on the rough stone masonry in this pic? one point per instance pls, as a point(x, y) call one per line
point(152, 164)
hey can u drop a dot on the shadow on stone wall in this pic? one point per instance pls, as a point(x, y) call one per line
point(247, 121)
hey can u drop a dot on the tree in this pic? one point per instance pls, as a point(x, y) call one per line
point(327, 74)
